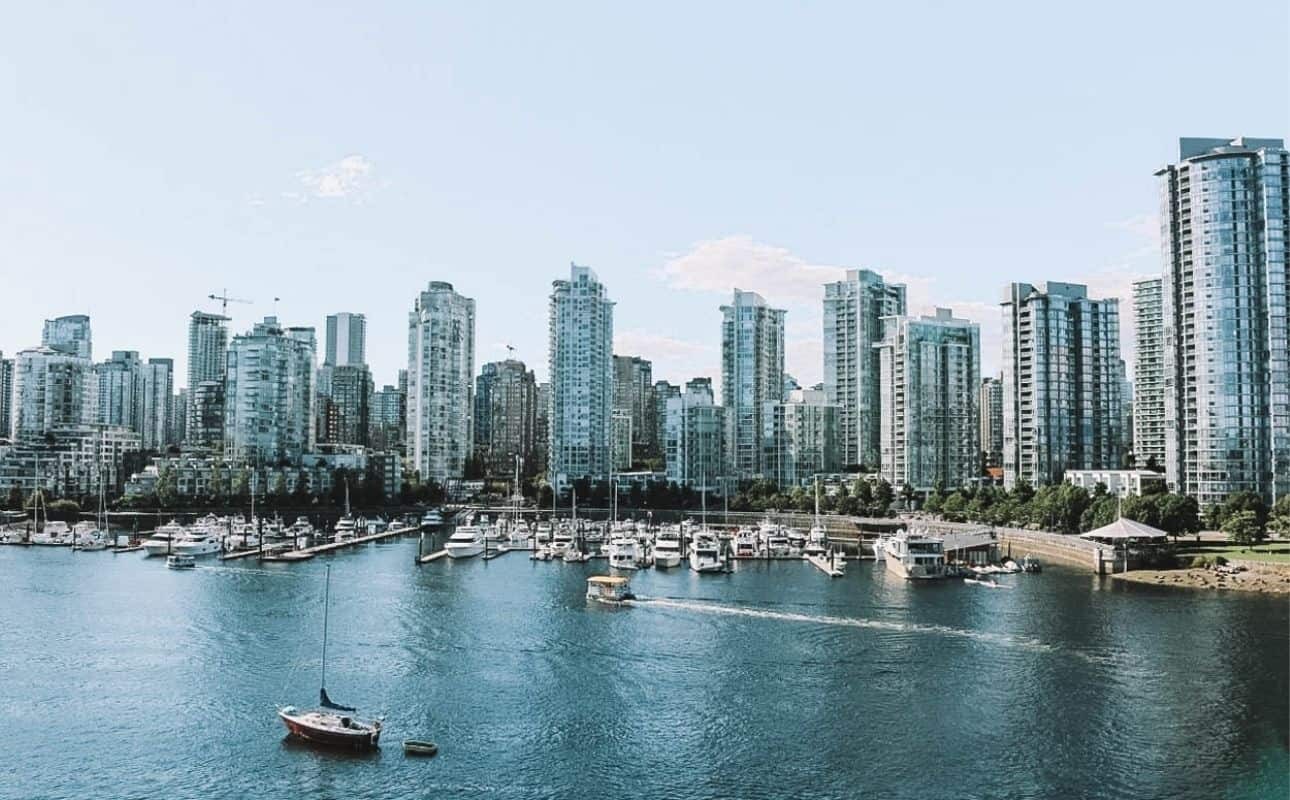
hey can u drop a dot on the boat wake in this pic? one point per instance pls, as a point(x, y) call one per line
point(1000, 639)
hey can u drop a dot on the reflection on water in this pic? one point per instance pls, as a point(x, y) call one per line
point(773, 681)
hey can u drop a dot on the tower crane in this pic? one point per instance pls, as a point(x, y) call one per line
point(225, 300)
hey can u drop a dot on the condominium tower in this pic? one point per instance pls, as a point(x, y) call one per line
point(70, 335)
point(930, 429)
point(1061, 382)
point(752, 375)
point(207, 348)
point(269, 395)
point(634, 396)
point(441, 375)
point(581, 365)
point(505, 417)
point(991, 408)
point(1225, 212)
point(695, 437)
point(853, 312)
point(346, 340)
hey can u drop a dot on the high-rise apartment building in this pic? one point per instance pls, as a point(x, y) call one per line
point(346, 408)
point(1149, 374)
point(663, 391)
point(542, 429)
point(207, 362)
point(52, 389)
point(1061, 382)
point(137, 395)
point(752, 375)
point(1225, 293)
point(70, 335)
point(929, 373)
point(441, 377)
point(346, 340)
point(695, 438)
point(853, 313)
point(6, 395)
point(581, 365)
point(388, 416)
point(990, 403)
point(506, 398)
point(269, 390)
point(634, 396)
point(801, 437)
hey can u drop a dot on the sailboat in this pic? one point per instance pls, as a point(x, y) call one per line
point(330, 724)
point(817, 541)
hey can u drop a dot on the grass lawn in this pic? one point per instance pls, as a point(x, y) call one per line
point(1273, 552)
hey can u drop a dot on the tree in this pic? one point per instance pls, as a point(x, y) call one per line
point(15, 498)
point(1280, 521)
point(1242, 528)
point(882, 497)
point(241, 484)
point(218, 487)
point(167, 487)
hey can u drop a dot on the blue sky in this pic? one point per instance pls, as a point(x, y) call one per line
point(340, 158)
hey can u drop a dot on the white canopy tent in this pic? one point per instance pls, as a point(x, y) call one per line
point(1126, 531)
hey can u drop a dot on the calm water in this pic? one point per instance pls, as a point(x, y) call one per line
point(120, 678)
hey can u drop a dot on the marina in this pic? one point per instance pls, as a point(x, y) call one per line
point(509, 670)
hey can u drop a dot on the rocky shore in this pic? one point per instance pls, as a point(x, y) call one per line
point(1264, 580)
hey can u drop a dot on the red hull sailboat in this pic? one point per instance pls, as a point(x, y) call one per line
point(330, 725)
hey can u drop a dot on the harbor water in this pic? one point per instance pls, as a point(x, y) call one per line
point(121, 678)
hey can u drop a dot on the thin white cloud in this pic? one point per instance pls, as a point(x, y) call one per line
point(352, 178)
point(676, 360)
point(786, 280)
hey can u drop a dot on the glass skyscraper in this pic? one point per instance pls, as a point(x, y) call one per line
point(1061, 382)
point(853, 312)
point(752, 375)
point(1224, 215)
point(1148, 375)
point(441, 377)
point(930, 373)
point(580, 354)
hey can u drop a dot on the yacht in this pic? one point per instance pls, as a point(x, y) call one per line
point(54, 533)
point(432, 518)
point(773, 540)
point(89, 536)
point(345, 528)
point(624, 553)
point(163, 539)
point(465, 542)
point(561, 540)
point(916, 556)
point(745, 543)
point(197, 542)
point(705, 554)
point(543, 532)
point(667, 549)
point(880, 548)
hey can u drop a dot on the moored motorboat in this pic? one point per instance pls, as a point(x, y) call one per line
point(163, 539)
point(915, 556)
point(624, 553)
point(667, 549)
point(465, 542)
point(705, 554)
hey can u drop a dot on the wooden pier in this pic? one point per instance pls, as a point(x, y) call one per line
point(357, 540)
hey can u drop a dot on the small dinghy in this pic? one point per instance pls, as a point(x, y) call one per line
point(418, 747)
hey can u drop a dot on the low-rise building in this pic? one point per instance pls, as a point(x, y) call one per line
point(1120, 482)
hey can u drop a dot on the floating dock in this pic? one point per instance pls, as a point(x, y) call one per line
point(357, 540)
point(827, 565)
point(435, 556)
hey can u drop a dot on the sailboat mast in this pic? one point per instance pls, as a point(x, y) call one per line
point(326, 609)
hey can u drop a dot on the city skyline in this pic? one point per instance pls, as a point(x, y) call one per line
point(290, 178)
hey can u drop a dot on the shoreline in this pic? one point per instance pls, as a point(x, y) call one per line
point(1257, 581)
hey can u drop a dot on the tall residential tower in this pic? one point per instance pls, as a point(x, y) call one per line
point(1225, 211)
point(581, 364)
point(752, 375)
point(441, 375)
point(853, 312)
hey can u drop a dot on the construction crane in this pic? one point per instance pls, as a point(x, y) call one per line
point(225, 300)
